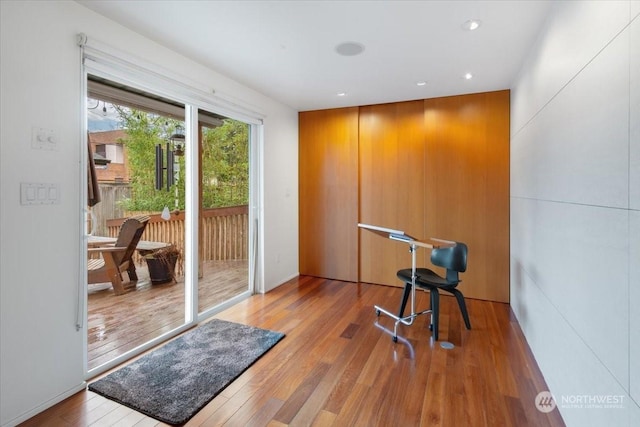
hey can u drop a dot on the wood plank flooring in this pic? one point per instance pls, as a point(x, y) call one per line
point(338, 367)
point(119, 323)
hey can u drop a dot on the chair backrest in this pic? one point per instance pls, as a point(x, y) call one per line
point(129, 235)
point(454, 259)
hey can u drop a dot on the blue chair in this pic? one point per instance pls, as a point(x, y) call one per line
point(454, 259)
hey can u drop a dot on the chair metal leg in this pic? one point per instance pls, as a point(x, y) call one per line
point(462, 305)
point(405, 298)
point(435, 312)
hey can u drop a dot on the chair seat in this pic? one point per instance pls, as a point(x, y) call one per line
point(426, 278)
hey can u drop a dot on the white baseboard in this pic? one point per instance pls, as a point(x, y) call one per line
point(281, 282)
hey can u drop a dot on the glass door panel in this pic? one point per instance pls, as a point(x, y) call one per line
point(224, 213)
point(136, 145)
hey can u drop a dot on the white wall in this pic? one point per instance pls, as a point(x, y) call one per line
point(41, 353)
point(575, 208)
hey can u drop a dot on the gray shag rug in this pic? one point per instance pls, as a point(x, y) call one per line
point(174, 382)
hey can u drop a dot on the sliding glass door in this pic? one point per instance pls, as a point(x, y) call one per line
point(184, 173)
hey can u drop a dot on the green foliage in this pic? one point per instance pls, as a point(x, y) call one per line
point(225, 167)
point(144, 132)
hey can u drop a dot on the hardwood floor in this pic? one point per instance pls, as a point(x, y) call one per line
point(119, 323)
point(337, 367)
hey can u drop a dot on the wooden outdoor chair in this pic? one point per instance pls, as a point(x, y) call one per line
point(117, 258)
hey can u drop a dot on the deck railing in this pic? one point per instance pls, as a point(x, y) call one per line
point(224, 232)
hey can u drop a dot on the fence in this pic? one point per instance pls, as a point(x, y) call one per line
point(108, 207)
point(223, 231)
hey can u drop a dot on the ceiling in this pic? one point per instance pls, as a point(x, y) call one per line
point(286, 49)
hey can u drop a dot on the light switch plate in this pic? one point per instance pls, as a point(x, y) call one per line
point(43, 139)
point(32, 193)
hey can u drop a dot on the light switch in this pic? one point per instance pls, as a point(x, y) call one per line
point(43, 139)
point(39, 193)
point(53, 194)
point(42, 193)
point(31, 194)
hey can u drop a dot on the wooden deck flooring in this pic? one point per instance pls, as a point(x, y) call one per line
point(337, 367)
point(119, 323)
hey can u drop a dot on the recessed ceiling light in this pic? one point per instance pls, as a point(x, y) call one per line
point(350, 48)
point(468, 76)
point(342, 94)
point(421, 83)
point(472, 24)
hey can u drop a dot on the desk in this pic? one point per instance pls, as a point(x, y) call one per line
point(95, 241)
point(143, 246)
point(402, 237)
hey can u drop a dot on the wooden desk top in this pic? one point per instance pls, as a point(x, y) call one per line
point(143, 245)
point(400, 236)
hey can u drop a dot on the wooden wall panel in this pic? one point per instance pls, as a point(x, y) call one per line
point(392, 179)
point(467, 185)
point(433, 168)
point(328, 193)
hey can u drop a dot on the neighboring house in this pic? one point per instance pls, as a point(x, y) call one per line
point(109, 156)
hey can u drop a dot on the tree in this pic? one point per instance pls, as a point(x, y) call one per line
point(225, 162)
point(225, 165)
point(144, 132)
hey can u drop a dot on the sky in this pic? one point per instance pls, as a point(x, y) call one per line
point(100, 120)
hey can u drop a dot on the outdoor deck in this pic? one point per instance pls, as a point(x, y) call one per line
point(117, 324)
